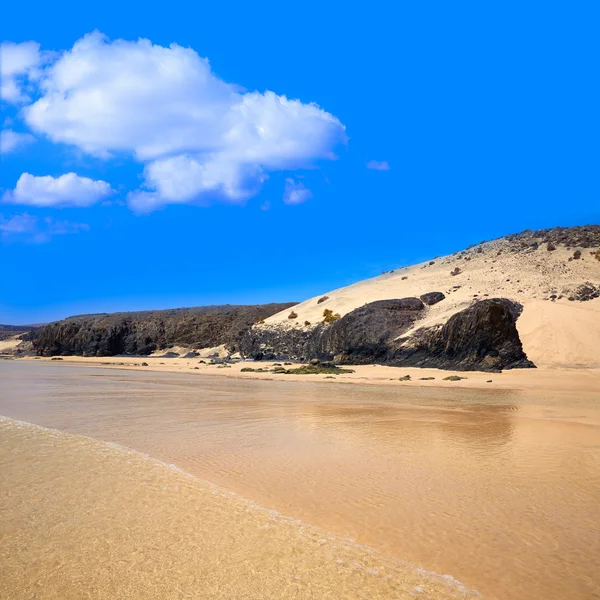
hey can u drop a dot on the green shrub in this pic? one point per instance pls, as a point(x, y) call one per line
point(405, 378)
point(453, 378)
point(322, 369)
point(322, 299)
point(292, 315)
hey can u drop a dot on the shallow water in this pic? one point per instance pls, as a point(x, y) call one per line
point(501, 491)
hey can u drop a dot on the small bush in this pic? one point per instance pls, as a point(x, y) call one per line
point(322, 299)
point(322, 369)
point(329, 317)
point(577, 254)
point(260, 320)
point(307, 323)
point(456, 271)
point(404, 378)
point(550, 247)
point(292, 315)
point(426, 378)
point(453, 378)
point(597, 255)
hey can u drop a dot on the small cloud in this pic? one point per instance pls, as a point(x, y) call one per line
point(20, 65)
point(295, 192)
point(69, 190)
point(378, 165)
point(27, 228)
point(11, 140)
point(265, 205)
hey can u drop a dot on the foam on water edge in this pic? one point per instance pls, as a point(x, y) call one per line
point(104, 448)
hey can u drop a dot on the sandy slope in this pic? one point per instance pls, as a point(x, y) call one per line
point(8, 345)
point(554, 333)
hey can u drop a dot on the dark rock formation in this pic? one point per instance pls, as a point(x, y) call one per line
point(140, 333)
point(365, 334)
point(586, 291)
point(278, 342)
point(431, 298)
point(483, 337)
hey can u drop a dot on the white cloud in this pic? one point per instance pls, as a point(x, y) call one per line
point(295, 192)
point(11, 140)
point(69, 190)
point(28, 228)
point(199, 137)
point(19, 64)
point(377, 165)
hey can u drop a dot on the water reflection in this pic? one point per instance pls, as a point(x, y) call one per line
point(498, 489)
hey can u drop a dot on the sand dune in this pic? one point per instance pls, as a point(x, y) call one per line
point(555, 332)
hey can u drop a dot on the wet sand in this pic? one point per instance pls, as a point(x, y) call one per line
point(499, 489)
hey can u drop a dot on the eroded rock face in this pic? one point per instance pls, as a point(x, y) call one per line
point(482, 337)
point(140, 333)
point(365, 334)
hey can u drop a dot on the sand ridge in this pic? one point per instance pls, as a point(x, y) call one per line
point(555, 332)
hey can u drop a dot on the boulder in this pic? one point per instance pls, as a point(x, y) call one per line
point(431, 298)
point(483, 337)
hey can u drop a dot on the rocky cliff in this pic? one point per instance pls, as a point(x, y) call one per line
point(141, 333)
point(482, 337)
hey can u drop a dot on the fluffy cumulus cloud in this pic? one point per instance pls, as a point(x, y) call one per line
point(69, 190)
point(378, 165)
point(11, 141)
point(200, 138)
point(27, 228)
point(295, 192)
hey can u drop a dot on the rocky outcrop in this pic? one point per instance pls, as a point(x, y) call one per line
point(140, 333)
point(482, 337)
point(586, 291)
point(431, 298)
point(366, 334)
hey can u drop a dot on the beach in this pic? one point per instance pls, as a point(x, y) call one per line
point(450, 490)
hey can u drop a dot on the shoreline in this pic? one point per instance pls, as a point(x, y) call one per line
point(543, 379)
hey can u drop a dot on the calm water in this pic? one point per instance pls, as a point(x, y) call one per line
point(499, 491)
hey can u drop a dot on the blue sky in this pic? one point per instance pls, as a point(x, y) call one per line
point(322, 144)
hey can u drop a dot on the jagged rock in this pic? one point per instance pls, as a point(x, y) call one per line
point(141, 333)
point(431, 298)
point(363, 335)
point(482, 337)
point(586, 291)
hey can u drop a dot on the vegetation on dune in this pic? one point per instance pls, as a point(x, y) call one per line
point(329, 316)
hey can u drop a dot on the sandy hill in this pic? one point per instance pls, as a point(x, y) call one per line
point(554, 274)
